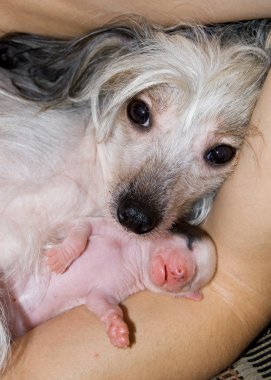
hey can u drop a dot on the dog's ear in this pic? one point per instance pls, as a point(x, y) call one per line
point(51, 71)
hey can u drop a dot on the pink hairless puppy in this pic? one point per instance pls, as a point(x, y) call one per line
point(113, 265)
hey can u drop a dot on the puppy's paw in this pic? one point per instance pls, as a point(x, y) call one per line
point(58, 259)
point(118, 333)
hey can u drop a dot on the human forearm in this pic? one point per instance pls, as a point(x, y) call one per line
point(62, 17)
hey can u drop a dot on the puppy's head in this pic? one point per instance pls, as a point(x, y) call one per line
point(170, 108)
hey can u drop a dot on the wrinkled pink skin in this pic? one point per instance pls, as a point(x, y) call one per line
point(113, 265)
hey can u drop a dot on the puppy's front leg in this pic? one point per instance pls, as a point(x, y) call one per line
point(60, 257)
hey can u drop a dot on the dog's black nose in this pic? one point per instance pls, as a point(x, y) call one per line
point(137, 217)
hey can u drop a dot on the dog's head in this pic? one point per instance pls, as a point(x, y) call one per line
point(170, 108)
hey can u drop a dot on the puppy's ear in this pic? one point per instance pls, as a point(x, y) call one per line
point(52, 71)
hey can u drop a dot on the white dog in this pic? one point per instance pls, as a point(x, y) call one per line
point(130, 120)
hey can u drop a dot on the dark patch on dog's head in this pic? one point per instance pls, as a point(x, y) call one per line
point(51, 71)
point(192, 233)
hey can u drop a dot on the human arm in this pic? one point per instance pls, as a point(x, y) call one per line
point(65, 18)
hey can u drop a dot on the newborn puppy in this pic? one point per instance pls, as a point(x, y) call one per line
point(113, 266)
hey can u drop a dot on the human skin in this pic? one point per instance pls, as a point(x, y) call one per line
point(175, 339)
point(67, 18)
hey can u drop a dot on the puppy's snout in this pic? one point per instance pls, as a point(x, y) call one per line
point(136, 216)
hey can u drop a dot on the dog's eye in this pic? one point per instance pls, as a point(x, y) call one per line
point(138, 112)
point(220, 154)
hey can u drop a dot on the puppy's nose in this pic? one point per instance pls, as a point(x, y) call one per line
point(137, 217)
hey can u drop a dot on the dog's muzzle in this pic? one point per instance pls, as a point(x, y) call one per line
point(137, 217)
